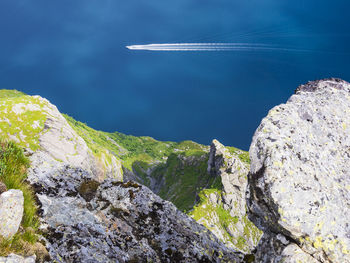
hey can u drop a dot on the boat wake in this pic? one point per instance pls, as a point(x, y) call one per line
point(213, 47)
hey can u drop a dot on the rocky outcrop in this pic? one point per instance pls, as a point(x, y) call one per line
point(11, 212)
point(61, 145)
point(223, 207)
point(12, 258)
point(85, 221)
point(233, 173)
point(37, 125)
point(299, 180)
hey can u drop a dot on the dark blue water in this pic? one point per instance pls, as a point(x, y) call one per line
point(73, 53)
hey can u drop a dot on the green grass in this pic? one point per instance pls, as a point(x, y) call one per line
point(184, 179)
point(242, 155)
point(13, 166)
point(22, 118)
point(130, 149)
point(6, 93)
point(206, 210)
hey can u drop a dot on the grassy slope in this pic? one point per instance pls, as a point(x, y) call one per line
point(13, 165)
point(182, 179)
point(128, 148)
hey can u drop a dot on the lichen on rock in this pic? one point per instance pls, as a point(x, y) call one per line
point(299, 180)
point(119, 222)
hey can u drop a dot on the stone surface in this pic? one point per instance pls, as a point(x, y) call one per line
point(119, 222)
point(299, 181)
point(61, 145)
point(12, 258)
point(11, 212)
point(274, 248)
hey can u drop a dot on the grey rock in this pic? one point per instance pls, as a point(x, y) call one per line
point(294, 254)
point(299, 181)
point(60, 145)
point(274, 248)
point(233, 173)
point(11, 212)
point(13, 258)
point(119, 222)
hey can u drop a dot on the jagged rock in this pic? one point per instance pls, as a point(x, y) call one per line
point(119, 222)
point(13, 258)
point(300, 173)
point(3, 188)
point(224, 211)
point(11, 212)
point(233, 173)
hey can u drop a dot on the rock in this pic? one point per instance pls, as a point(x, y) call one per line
point(223, 209)
point(61, 145)
point(12, 258)
point(233, 173)
point(37, 126)
point(294, 254)
point(11, 212)
point(119, 222)
point(299, 181)
point(3, 188)
point(276, 248)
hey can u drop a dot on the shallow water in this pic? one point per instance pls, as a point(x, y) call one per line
point(74, 53)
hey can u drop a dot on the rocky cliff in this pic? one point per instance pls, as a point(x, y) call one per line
point(179, 173)
point(222, 207)
point(288, 202)
point(299, 179)
point(85, 212)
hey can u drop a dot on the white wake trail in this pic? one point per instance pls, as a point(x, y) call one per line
point(212, 47)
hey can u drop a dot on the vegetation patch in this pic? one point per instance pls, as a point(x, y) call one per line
point(13, 166)
point(133, 150)
point(22, 118)
point(214, 216)
point(242, 155)
point(184, 178)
